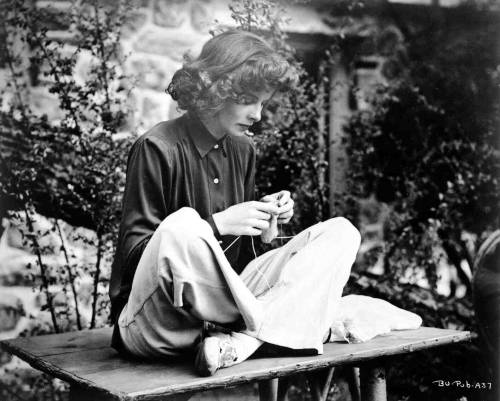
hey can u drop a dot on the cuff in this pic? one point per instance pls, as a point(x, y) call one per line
point(211, 221)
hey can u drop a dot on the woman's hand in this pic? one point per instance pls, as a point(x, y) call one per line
point(247, 218)
point(285, 205)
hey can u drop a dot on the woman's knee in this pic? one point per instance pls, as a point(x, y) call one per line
point(343, 227)
point(184, 224)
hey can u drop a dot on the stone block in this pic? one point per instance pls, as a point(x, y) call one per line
point(154, 108)
point(11, 310)
point(13, 267)
point(202, 16)
point(4, 78)
point(80, 238)
point(167, 43)
point(60, 299)
point(43, 102)
point(48, 240)
point(40, 70)
point(152, 72)
point(170, 13)
point(134, 21)
point(63, 36)
point(5, 357)
point(55, 16)
point(39, 324)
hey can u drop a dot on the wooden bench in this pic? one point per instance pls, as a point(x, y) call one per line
point(95, 371)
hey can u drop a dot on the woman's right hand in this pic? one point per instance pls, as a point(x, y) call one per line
point(247, 218)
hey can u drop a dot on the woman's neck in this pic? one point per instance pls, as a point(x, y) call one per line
point(212, 125)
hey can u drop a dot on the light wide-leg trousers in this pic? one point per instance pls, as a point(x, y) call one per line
point(288, 296)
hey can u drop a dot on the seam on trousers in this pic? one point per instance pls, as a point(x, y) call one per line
point(142, 305)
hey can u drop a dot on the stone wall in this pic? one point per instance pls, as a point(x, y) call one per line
point(155, 38)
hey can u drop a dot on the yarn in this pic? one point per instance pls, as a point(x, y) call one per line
point(255, 253)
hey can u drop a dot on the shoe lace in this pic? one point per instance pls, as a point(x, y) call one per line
point(227, 352)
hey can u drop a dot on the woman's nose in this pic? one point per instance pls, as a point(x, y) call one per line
point(255, 113)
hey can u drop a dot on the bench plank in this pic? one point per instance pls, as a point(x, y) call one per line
point(86, 360)
point(63, 343)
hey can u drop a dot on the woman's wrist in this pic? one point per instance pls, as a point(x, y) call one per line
point(219, 222)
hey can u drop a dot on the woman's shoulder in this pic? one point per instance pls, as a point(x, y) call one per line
point(161, 141)
point(166, 133)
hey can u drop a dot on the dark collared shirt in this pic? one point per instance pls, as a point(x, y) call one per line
point(179, 163)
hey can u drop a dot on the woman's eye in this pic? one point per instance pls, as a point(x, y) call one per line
point(247, 100)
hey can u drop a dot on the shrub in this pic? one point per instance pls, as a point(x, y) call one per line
point(69, 169)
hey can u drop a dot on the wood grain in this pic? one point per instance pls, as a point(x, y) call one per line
point(85, 359)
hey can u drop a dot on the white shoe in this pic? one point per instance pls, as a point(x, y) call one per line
point(214, 353)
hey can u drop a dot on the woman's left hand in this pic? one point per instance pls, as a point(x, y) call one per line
point(285, 205)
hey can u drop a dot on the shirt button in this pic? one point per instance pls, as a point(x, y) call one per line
point(216, 146)
point(216, 180)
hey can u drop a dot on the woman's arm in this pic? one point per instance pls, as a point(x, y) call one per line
point(144, 207)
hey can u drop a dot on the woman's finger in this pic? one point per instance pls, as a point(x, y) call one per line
point(284, 220)
point(268, 198)
point(285, 216)
point(253, 231)
point(286, 207)
point(259, 224)
point(283, 197)
point(268, 207)
point(258, 214)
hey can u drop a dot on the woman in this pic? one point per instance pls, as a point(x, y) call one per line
point(184, 255)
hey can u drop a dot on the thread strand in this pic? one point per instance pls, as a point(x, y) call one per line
point(232, 243)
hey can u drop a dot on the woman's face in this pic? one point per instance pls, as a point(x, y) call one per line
point(236, 118)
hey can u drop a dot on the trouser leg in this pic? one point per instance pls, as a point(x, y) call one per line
point(183, 279)
point(178, 284)
point(300, 284)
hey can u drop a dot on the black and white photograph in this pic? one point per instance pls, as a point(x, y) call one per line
point(250, 200)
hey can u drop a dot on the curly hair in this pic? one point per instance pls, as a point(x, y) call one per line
point(231, 66)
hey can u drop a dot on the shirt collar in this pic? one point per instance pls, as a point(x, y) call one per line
point(203, 140)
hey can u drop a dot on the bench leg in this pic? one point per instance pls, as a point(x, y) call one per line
point(373, 386)
point(268, 390)
point(283, 385)
point(353, 380)
point(319, 383)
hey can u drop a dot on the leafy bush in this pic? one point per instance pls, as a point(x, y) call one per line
point(72, 168)
point(428, 146)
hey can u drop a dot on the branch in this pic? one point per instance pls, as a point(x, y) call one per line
point(70, 275)
point(96, 280)
point(103, 75)
point(45, 282)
